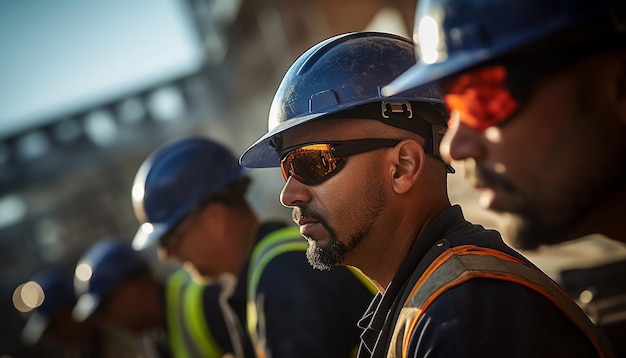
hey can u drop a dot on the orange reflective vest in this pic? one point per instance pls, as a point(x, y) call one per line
point(460, 264)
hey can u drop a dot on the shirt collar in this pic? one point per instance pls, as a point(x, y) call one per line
point(379, 313)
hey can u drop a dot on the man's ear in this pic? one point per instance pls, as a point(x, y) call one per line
point(409, 159)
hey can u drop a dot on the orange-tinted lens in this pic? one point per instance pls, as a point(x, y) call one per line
point(480, 98)
point(310, 164)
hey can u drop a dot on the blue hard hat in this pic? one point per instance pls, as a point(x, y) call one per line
point(342, 76)
point(101, 270)
point(452, 36)
point(58, 296)
point(176, 178)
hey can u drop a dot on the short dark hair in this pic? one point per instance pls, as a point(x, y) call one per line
point(232, 194)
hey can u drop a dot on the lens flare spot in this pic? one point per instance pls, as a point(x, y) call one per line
point(428, 39)
point(493, 134)
point(147, 228)
point(84, 272)
point(138, 191)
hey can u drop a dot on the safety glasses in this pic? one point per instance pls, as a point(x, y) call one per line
point(480, 98)
point(313, 163)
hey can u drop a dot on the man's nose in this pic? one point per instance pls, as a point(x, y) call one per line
point(294, 192)
point(461, 142)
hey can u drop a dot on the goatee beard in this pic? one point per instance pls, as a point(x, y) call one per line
point(327, 256)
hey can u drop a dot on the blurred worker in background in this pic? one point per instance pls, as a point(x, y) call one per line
point(538, 109)
point(537, 95)
point(176, 318)
point(50, 324)
point(189, 196)
point(368, 188)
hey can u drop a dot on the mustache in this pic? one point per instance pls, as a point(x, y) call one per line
point(478, 175)
point(303, 212)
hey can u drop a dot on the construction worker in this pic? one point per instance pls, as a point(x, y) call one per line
point(189, 196)
point(51, 324)
point(368, 188)
point(176, 318)
point(537, 94)
point(538, 108)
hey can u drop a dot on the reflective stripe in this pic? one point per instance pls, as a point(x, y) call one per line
point(190, 337)
point(364, 280)
point(278, 242)
point(463, 263)
point(198, 330)
point(238, 337)
point(174, 293)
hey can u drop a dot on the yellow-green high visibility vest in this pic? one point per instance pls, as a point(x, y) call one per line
point(189, 335)
point(287, 239)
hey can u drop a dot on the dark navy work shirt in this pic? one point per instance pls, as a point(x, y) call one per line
point(479, 318)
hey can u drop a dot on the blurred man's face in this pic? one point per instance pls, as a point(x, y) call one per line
point(126, 308)
point(64, 331)
point(551, 157)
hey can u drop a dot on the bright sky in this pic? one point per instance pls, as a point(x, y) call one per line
point(59, 57)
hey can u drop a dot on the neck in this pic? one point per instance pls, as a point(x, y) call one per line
point(390, 245)
point(607, 219)
point(244, 225)
point(383, 263)
point(251, 228)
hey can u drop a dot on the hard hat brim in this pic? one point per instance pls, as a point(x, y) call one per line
point(148, 234)
point(261, 154)
point(85, 306)
point(34, 328)
point(423, 73)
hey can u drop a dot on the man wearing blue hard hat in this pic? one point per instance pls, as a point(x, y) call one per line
point(368, 188)
point(51, 322)
point(175, 318)
point(537, 95)
point(190, 198)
